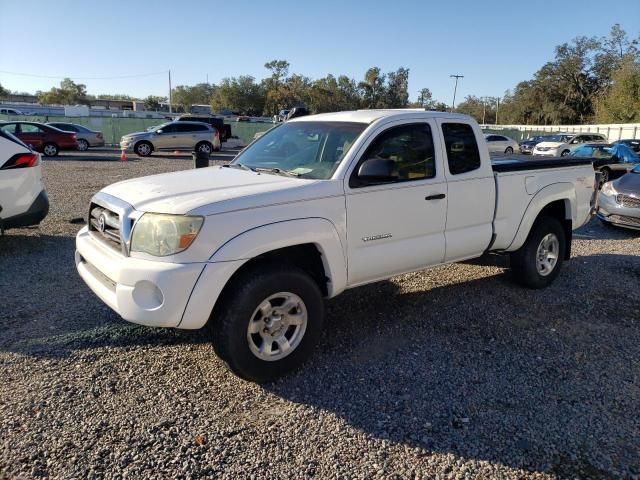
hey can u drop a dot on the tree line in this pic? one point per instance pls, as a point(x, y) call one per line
point(590, 79)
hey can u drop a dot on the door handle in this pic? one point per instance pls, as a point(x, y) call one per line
point(438, 196)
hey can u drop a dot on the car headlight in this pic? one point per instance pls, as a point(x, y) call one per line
point(608, 190)
point(161, 235)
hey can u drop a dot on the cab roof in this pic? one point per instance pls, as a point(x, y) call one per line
point(369, 116)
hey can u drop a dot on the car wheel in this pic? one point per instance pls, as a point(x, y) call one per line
point(144, 149)
point(565, 153)
point(268, 322)
point(83, 145)
point(50, 149)
point(605, 175)
point(509, 151)
point(538, 262)
point(204, 147)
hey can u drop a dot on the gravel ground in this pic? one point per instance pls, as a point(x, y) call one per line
point(450, 373)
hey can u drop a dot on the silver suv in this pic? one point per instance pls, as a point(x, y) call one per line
point(190, 136)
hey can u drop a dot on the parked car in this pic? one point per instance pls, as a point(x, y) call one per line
point(632, 143)
point(500, 144)
point(526, 146)
point(42, 138)
point(224, 130)
point(243, 118)
point(10, 111)
point(23, 198)
point(178, 135)
point(253, 247)
point(561, 146)
point(619, 201)
point(86, 137)
point(610, 160)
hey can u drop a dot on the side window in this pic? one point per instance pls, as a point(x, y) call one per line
point(461, 146)
point(184, 128)
point(501, 139)
point(27, 128)
point(10, 127)
point(169, 129)
point(410, 147)
point(198, 128)
point(491, 138)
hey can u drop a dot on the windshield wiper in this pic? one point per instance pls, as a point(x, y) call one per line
point(277, 171)
point(239, 165)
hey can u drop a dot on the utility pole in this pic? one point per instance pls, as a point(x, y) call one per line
point(455, 89)
point(497, 107)
point(170, 110)
point(484, 108)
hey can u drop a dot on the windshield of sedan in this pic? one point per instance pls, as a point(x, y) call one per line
point(301, 149)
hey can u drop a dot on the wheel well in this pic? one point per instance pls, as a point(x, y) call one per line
point(143, 141)
point(305, 256)
point(560, 211)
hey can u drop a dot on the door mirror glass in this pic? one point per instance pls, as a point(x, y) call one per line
point(378, 170)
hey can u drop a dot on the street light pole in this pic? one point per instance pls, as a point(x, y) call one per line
point(455, 89)
point(484, 108)
point(170, 111)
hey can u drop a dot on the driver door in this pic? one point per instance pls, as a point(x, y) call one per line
point(397, 225)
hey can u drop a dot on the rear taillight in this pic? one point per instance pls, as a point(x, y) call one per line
point(216, 134)
point(22, 160)
point(99, 135)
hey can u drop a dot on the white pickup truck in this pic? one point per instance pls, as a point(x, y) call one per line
point(317, 205)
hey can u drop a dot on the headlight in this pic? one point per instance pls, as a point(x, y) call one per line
point(161, 235)
point(608, 190)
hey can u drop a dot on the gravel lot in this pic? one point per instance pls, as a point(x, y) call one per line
point(453, 372)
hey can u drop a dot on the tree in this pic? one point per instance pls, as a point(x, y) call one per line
point(241, 94)
point(274, 100)
point(199, 94)
point(482, 109)
point(373, 89)
point(3, 91)
point(152, 102)
point(397, 91)
point(621, 102)
point(69, 93)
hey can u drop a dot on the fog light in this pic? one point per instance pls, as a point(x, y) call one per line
point(147, 295)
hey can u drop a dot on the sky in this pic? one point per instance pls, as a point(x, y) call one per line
point(494, 44)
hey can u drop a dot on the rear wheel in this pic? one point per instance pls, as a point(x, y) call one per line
point(605, 175)
point(509, 150)
point(83, 145)
point(538, 262)
point(50, 149)
point(269, 322)
point(144, 149)
point(565, 153)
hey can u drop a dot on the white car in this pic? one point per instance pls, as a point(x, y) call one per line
point(562, 144)
point(318, 205)
point(23, 198)
point(501, 144)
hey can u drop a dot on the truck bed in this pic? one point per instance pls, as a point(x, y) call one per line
point(514, 164)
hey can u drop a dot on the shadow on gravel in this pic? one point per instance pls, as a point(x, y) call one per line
point(545, 380)
point(597, 230)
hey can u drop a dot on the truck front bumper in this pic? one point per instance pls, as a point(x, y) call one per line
point(152, 293)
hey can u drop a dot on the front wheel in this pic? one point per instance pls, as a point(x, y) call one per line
point(268, 322)
point(144, 149)
point(204, 147)
point(538, 262)
point(605, 175)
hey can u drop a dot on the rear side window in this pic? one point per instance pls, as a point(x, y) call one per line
point(9, 127)
point(199, 128)
point(462, 149)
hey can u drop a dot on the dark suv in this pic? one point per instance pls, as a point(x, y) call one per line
point(218, 123)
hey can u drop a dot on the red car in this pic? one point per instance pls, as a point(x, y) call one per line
point(41, 137)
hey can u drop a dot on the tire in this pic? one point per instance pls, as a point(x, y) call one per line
point(204, 147)
point(252, 297)
point(143, 149)
point(50, 150)
point(605, 175)
point(546, 237)
point(509, 151)
point(83, 145)
point(565, 153)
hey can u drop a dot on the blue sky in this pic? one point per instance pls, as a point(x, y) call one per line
point(494, 44)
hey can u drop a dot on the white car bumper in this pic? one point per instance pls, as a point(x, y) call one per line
point(612, 212)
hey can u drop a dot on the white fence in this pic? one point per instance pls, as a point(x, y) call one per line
point(614, 131)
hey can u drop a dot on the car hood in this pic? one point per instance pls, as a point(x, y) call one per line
point(212, 190)
point(549, 144)
point(137, 134)
point(629, 184)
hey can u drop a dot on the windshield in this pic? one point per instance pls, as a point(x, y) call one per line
point(304, 149)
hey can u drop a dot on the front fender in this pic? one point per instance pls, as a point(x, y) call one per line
point(551, 193)
point(318, 231)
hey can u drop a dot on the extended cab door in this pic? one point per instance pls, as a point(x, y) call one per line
point(396, 224)
point(471, 190)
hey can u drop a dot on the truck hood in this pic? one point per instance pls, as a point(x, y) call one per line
point(207, 191)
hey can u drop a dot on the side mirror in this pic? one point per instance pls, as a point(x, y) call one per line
point(377, 170)
point(159, 132)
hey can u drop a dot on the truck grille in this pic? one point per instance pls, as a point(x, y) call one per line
point(631, 221)
point(105, 224)
point(628, 201)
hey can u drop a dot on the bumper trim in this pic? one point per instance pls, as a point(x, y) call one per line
point(33, 216)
